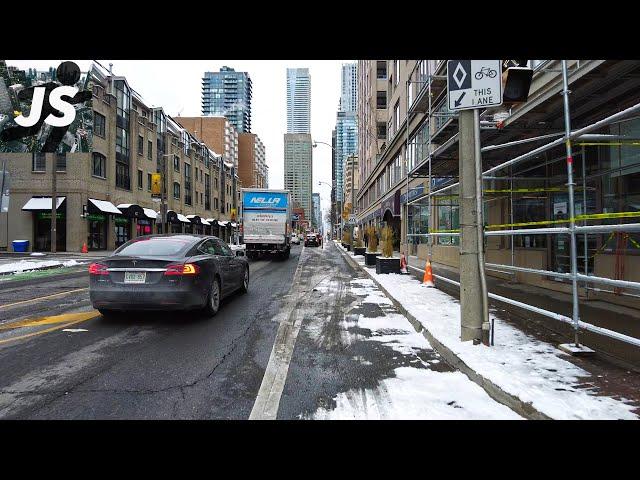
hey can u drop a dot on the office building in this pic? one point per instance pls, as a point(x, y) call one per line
point(298, 100)
point(227, 93)
point(298, 171)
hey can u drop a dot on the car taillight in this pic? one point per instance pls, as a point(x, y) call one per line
point(98, 269)
point(182, 269)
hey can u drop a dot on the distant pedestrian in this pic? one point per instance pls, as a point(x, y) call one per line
point(366, 239)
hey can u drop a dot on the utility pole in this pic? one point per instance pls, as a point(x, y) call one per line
point(54, 201)
point(353, 207)
point(471, 302)
point(163, 205)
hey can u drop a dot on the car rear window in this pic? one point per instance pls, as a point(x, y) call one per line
point(158, 246)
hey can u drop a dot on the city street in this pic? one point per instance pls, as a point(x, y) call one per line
point(341, 350)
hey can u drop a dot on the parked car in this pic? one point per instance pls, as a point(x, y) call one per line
point(311, 240)
point(168, 272)
point(295, 239)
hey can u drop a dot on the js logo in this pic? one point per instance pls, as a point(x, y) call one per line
point(51, 103)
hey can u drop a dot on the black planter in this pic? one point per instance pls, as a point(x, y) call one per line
point(387, 265)
point(348, 246)
point(359, 250)
point(370, 258)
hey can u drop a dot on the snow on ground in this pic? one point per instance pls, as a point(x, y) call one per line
point(28, 265)
point(242, 246)
point(418, 394)
point(413, 392)
point(521, 365)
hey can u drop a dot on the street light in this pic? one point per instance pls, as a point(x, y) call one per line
point(315, 144)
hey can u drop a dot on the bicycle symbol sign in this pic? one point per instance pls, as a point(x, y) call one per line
point(473, 84)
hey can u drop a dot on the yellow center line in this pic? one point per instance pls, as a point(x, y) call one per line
point(43, 298)
point(66, 317)
point(89, 316)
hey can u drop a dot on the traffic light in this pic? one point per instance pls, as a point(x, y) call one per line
point(516, 82)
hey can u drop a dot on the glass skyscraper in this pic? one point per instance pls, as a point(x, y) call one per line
point(227, 93)
point(346, 125)
point(298, 100)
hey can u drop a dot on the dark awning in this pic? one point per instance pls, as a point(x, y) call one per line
point(131, 210)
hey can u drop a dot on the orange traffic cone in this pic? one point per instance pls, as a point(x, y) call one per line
point(84, 248)
point(428, 276)
point(403, 263)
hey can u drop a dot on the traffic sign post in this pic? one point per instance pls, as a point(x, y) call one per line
point(474, 84)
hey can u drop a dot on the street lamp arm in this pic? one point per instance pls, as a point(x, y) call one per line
point(315, 143)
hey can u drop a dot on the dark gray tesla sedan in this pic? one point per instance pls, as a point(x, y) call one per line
point(167, 272)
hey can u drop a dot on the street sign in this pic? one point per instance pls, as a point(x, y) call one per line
point(156, 184)
point(474, 84)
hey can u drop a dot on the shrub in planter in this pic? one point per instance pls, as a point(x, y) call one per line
point(386, 263)
point(373, 239)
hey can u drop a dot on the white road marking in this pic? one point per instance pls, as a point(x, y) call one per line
point(268, 398)
point(74, 330)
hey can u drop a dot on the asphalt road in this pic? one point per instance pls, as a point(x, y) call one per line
point(312, 338)
point(160, 366)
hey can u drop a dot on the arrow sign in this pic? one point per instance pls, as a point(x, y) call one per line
point(473, 84)
point(457, 102)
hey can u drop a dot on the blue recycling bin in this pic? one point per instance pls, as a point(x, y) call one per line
point(20, 245)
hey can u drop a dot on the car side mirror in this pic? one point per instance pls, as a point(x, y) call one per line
point(239, 253)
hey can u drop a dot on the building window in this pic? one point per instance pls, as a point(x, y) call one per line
point(61, 162)
point(148, 182)
point(176, 163)
point(139, 179)
point(215, 204)
point(140, 145)
point(123, 179)
point(38, 162)
point(396, 73)
point(207, 192)
point(98, 124)
point(187, 184)
point(99, 165)
point(382, 130)
point(381, 69)
point(381, 99)
point(150, 150)
point(176, 190)
point(396, 116)
point(449, 219)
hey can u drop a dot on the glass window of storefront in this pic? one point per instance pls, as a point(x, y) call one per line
point(144, 227)
point(97, 231)
point(42, 230)
point(448, 219)
point(122, 230)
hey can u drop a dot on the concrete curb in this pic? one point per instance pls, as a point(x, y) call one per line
point(522, 408)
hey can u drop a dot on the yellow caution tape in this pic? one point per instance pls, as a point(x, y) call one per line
point(577, 218)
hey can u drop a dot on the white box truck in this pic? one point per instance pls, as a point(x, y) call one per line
point(266, 222)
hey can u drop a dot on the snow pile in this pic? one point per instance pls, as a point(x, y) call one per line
point(242, 246)
point(28, 265)
point(519, 364)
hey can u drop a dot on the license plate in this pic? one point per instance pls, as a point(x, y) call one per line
point(135, 277)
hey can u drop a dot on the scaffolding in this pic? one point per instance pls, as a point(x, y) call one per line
point(426, 85)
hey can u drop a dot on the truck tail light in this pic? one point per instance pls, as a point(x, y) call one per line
point(182, 269)
point(98, 269)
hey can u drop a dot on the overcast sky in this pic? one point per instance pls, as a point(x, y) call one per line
point(175, 85)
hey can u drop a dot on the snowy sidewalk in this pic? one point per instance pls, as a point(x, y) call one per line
point(532, 371)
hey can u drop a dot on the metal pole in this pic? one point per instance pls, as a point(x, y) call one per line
point(471, 303)
point(165, 224)
point(513, 252)
point(480, 228)
point(584, 212)
point(4, 174)
point(572, 222)
point(54, 201)
point(429, 217)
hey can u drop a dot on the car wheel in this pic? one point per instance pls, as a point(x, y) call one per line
point(107, 313)
point(213, 300)
point(245, 281)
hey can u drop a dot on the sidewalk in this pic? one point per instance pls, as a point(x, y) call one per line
point(528, 374)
